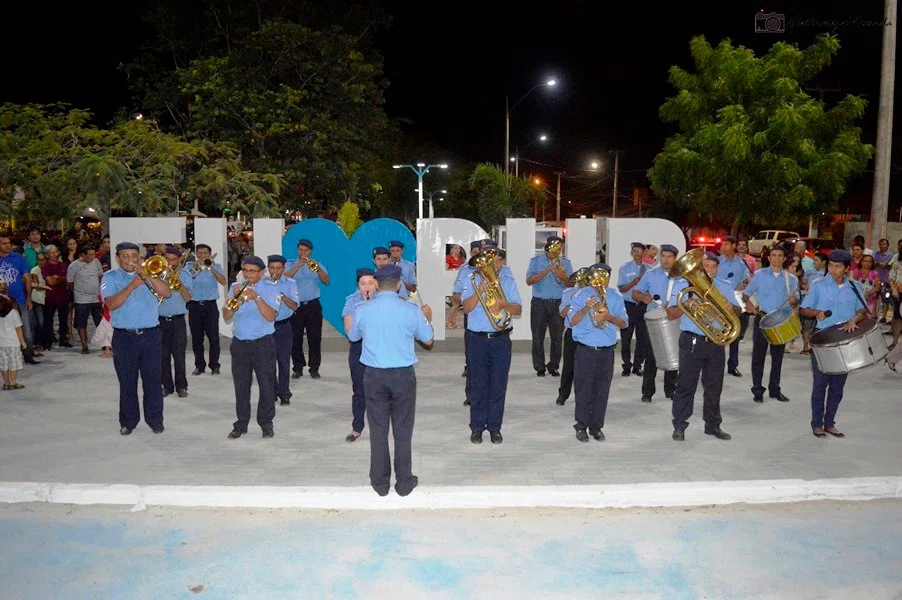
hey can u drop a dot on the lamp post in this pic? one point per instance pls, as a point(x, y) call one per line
point(516, 157)
point(429, 196)
point(420, 169)
point(507, 120)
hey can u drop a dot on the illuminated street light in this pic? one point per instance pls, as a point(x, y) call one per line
point(507, 120)
point(420, 169)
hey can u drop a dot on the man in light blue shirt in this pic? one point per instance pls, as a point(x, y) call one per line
point(172, 324)
point(381, 258)
point(203, 312)
point(489, 351)
point(253, 348)
point(282, 336)
point(548, 278)
point(388, 327)
point(366, 290)
point(463, 276)
point(408, 269)
point(595, 334)
point(776, 287)
point(575, 283)
point(699, 356)
point(734, 269)
point(834, 300)
point(308, 318)
point(628, 277)
point(137, 339)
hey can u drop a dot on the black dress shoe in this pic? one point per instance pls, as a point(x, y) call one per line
point(718, 433)
point(560, 401)
point(66, 345)
point(638, 371)
point(284, 402)
point(214, 371)
point(626, 372)
point(467, 402)
point(182, 393)
point(554, 372)
point(668, 396)
point(496, 437)
point(197, 371)
point(167, 392)
point(351, 437)
point(646, 398)
point(125, 431)
point(540, 373)
point(268, 433)
point(159, 429)
point(476, 437)
point(32, 361)
point(382, 493)
point(314, 373)
point(679, 435)
point(298, 375)
point(405, 491)
point(581, 435)
point(758, 398)
point(598, 435)
point(780, 397)
point(235, 434)
point(734, 372)
point(464, 374)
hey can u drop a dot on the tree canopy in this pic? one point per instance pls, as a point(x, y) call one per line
point(752, 145)
point(502, 196)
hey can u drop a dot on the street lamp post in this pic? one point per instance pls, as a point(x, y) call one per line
point(507, 120)
point(516, 157)
point(420, 169)
point(430, 195)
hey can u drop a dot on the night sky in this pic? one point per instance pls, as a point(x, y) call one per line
point(451, 64)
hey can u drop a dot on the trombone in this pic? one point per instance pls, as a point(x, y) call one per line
point(710, 311)
point(483, 264)
point(174, 279)
point(235, 302)
point(204, 265)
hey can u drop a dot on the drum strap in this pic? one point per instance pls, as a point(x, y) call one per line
point(669, 291)
point(857, 295)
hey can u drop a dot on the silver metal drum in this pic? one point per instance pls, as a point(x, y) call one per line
point(838, 352)
point(665, 338)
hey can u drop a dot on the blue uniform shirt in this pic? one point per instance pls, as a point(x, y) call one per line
point(308, 281)
point(629, 271)
point(175, 304)
point(351, 304)
point(477, 320)
point(687, 324)
point(771, 288)
point(288, 288)
point(205, 285)
point(247, 322)
point(842, 301)
point(655, 282)
point(566, 299)
point(388, 325)
point(463, 278)
point(408, 275)
point(547, 288)
point(585, 332)
point(140, 308)
point(735, 271)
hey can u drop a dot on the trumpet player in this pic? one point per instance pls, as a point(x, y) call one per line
point(548, 275)
point(699, 356)
point(172, 324)
point(628, 277)
point(489, 344)
point(366, 289)
point(288, 303)
point(308, 318)
point(131, 296)
point(595, 315)
point(203, 312)
point(252, 308)
point(408, 270)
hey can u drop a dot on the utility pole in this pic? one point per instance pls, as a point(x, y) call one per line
point(880, 198)
point(616, 176)
point(559, 173)
point(812, 220)
point(507, 137)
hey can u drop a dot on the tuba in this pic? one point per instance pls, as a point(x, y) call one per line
point(484, 264)
point(711, 311)
point(598, 278)
point(555, 249)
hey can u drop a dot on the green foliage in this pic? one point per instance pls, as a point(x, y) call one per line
point(502, 196)
point(349, 218)
point(753, 146)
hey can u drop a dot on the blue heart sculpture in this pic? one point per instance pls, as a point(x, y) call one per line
point(342, 257)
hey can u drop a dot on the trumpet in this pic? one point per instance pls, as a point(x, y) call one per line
point(598, 278)
point(204, 265)
point(711, 311)
point(483, 263)
point(313, 265)
point(235, 302)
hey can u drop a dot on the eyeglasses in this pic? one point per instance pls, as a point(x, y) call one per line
point(251, 270)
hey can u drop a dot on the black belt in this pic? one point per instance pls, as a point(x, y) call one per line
point(558, 300)
point(595, 347)
point(282, 322)
point(202, 302)
point(700, 337)
point(491, 334)
point(172, 318)
point(306, 302)
point(135, 331)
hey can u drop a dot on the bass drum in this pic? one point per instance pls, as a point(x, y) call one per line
point(665, 338)
point(838, 352)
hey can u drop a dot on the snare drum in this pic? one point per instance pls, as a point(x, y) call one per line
point(838, 352)
point(780, 326)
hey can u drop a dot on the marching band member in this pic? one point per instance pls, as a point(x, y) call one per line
point(203, 313)
point(366, 289)
point(742, 249)
point(628, 277)
point(548, 277)
point(137, 347)
point(252, 308)
point(309, 315)
point(463, 276)
point(387, 326)
point(489, 353)
point(172, 324)
point(594, 355)
point(734, 269)
point(655, 286)
point(288, 303)
point(775, 287)
point(841, 297)
point(408, 270)
point(382, 258)
point(699, 356)
point(574, 285)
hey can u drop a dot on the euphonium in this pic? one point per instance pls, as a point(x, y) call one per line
point(710, 311)
point(484, 264)
point(598, 278)
point(578, 277)
point(235, 302)
point(555, 249)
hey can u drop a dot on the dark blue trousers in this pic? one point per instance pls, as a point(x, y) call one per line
point(490, 363)
point(592, 369)
point(829, 386)
point(392, 395)
point(139, 354)
point(358, 399)
point(283, 338)
point(203, 320)
point(250, 358)
point(698, 358)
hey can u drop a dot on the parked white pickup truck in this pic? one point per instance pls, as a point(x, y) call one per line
point(768, 237)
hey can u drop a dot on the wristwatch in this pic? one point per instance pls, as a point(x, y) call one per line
point(258, 299)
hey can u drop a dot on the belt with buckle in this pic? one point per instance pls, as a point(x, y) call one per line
point(595, 347)
point(700, 337)
point(202, 302)
point(492, 334)
point(136, 331)
point(306, 302)
point(282, 322)
point(172, 317)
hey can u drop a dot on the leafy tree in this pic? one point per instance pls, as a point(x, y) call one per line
point(502, 196)
point(752, 145)
point(349, 218)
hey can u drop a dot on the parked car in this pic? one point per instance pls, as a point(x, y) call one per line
point(815, 245)
point(705, 242)
point(767, 238)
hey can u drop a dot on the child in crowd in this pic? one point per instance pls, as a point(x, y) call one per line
point(103, 335)
point(12, 342)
